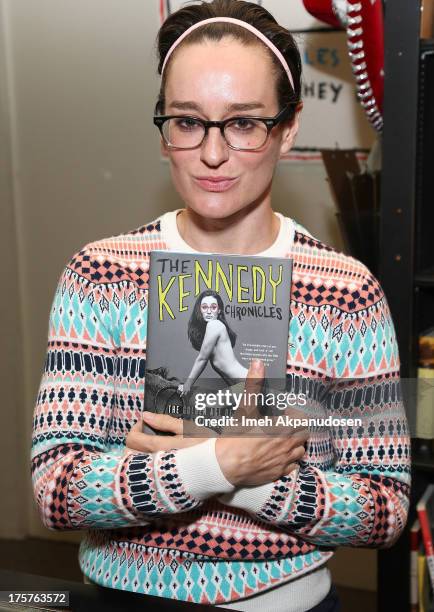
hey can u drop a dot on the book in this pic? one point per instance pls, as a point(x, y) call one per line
point(426, 347)
point(425, 511)
point(425, 386)
point(425, 593)
point(415, 536)
point(427, 19)
point(209, 316)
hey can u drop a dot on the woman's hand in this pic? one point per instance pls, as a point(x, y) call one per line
point(256, 460)
point(184, 389)
point(244, 461)
point(253, 461)
point(149, 443)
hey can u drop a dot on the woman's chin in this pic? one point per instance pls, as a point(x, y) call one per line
point(214, 209)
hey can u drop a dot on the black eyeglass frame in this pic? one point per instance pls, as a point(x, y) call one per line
point(269, 122)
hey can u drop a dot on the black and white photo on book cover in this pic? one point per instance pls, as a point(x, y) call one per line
point(209, 316)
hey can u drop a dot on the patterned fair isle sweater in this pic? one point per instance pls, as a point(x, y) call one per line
point(169, 523)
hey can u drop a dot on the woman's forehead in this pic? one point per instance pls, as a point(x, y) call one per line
point(223, 72)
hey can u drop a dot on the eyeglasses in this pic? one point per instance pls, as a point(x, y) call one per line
point(211, 307)
point(240, 133)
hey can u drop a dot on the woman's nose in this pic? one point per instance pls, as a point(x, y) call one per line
point(214, 150)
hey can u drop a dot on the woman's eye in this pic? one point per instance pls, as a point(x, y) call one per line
point(242, 124)
point(187, 124)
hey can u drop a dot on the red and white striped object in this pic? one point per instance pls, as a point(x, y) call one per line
point(364, 24)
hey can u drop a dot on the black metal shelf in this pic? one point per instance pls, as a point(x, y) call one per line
point(425, 278)
point(404, 247)
point(421, 462)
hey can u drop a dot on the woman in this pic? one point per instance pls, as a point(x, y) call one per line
point(210, 334)
point(244, 523)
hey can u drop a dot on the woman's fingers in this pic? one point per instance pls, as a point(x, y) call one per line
point(146, 443)
point(137, 440)
point(297, 453)
point(255, 376)
point(137, 426)
point(252, 386)
point(291, 467)
point(251, 462)
point(163, 422)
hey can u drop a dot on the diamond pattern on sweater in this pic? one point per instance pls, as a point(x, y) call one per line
point(352, 486)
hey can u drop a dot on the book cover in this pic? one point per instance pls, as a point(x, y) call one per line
point(425, 386)
point(209, 316)
point(425, 510)
point(426, 347)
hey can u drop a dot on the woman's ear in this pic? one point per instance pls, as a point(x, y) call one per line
point(290, 131)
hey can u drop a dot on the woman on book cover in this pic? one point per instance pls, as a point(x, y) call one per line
point(245, 522)
point(210, 334)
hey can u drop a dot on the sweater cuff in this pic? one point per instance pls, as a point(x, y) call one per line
point(276, 495)
point(250, 499)
point(200, 470)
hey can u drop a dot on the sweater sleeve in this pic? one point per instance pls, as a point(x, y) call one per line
point(90, 395)
point(362, 498)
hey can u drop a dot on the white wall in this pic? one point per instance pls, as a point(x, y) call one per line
point(13, 416)
point(79, 83)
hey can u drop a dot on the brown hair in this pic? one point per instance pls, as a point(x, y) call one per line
point(177, 23)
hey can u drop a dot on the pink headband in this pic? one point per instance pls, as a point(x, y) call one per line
point(240, 23)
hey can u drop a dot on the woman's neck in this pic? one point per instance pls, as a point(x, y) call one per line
point(247, 232)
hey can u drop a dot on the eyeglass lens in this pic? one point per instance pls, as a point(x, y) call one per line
point(241, 133)
point(212, 307)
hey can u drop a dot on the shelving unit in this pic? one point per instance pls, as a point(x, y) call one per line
point(425, 278)
point(423, 463)
point(406, 257)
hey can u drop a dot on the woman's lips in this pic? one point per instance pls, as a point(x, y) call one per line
point(211, 184)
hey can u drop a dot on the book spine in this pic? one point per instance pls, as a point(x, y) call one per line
point(149, 404)
point(425, 399)
point(414, 554)
point(427, 541)
point(421, 569)
point(426, 19)
point(414, 591)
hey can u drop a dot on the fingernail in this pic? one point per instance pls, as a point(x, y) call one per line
point(149, 416)
point(256, 365)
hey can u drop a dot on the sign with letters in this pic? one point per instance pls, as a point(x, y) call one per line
point(331, 117)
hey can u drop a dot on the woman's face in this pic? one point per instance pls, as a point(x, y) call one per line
point(214, 81)
point(209, 308)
